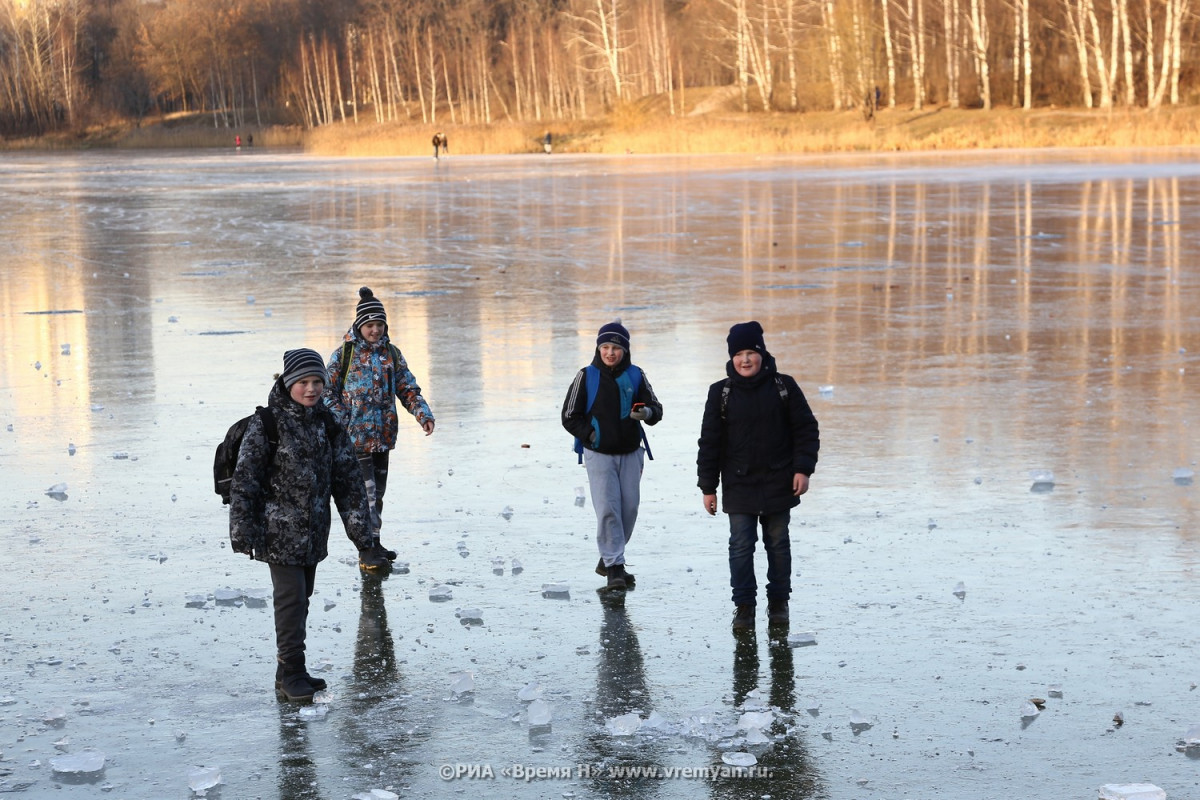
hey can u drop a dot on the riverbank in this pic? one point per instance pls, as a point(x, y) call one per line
point(643, 128)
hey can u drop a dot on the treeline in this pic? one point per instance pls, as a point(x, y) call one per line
point(65, 64)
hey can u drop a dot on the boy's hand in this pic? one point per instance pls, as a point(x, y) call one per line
point(799, 484)
point(427, 426)
point(710, 504)
point(641, 412)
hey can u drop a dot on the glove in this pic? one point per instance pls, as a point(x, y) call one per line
point(642, 413)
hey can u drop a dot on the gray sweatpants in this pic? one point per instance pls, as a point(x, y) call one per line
point(615, 481)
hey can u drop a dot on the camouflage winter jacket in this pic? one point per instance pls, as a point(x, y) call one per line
point(279, 507)
point(376, 375)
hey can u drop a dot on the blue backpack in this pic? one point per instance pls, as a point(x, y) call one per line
point(628, 383)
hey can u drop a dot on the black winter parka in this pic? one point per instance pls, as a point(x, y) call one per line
point(759, 444)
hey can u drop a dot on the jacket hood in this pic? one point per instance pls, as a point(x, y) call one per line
point(352, 335)
point(767, 372)
point(621, 366)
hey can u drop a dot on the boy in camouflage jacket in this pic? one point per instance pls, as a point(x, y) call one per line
point(368, 374)
point(279, 504)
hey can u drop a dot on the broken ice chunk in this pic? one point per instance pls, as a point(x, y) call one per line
point(57, 492)
point(227, 596)
point(739, 759)
point(1191, 737)
point(825, 391)
point(66, 348)
point(440, 593)
point(517, 567)
point(55, 716)
point(329, 604)
point(70, 449)
point(530, 691)
point(1043, 480)
point(755, 719)
point(802, 639)
point(557, 591)
point(624, 725)
point(579, 498)
point(461, 683)
point(375, 794)
point(249, 299)
point(86, 763)
point(756, 736)
point(315, 711)
point(121, 455)
point(1183, 476)
point(497, 566)
point(507, 513)
point(960, 590)
point(1029, 710)
point(196, 601)
point(1054, 690)
point(469, 616)
point(201, 779)
point(539, 713)
point(1131, 791)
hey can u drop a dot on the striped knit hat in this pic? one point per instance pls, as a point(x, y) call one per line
point(369, 309)
point(613, 333)
point(302, 363)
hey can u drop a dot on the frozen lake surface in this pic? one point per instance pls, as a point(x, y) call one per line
point(1002, 351)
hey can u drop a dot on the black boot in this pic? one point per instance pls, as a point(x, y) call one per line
point(372, 558)
point(292, 683)
point(390, 555)
point(616, 577)
point(603, 572)
point(743, 618)
point(777, 611)
point(317, 684)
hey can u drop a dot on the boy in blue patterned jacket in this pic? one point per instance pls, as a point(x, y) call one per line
point(366, 375)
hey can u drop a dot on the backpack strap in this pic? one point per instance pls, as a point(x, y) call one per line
point(344, 364)
point(270, 427)
point(592, 375)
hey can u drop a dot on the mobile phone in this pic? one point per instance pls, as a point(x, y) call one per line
point(636, 406)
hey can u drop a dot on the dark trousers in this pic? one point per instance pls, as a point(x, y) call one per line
point(374, 468)
point(292, 586)
point(743, 534)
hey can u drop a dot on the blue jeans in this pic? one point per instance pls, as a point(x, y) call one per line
point(743, 534)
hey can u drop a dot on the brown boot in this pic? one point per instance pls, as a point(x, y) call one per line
point(777, 611)
point(743, 618)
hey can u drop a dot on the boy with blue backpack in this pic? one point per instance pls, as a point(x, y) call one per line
point(604, 410)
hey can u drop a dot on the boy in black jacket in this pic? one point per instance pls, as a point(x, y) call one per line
point(760, 439)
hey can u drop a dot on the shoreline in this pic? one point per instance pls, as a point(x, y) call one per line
point(637, 132)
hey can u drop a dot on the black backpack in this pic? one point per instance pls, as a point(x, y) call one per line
point(227, 451)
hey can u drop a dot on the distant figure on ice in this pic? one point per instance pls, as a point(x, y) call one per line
point(546, 143)
point(367, 374)
point(440, 142)
point(759, 439)
point(237, 141)
point(279, 504)
point(250, 140)
point(605, 407)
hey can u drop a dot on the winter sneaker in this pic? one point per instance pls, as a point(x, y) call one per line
point(777, 611)
point(373, 559)
point(616, 576)
point(743, 618)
